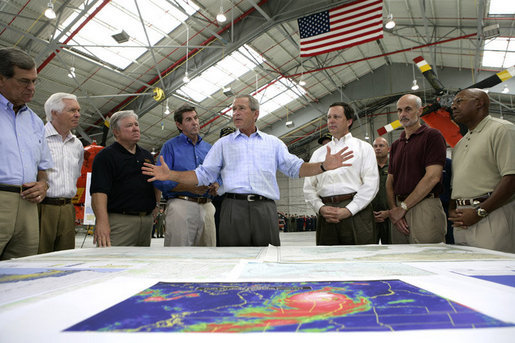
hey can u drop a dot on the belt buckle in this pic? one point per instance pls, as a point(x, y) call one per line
point(250, 197)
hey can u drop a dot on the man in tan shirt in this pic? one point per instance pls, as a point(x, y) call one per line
point(483, 179)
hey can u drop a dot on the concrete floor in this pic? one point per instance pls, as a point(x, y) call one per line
point(83, 240)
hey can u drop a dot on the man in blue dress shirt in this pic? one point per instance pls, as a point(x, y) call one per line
point(189, 211)
point(247, 161)
point(24, 156)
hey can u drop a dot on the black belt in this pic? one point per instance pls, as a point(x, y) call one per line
point(334, 199)
point(428, 196)
point(9, 188)
point(57, 201)
point(248, 197)
point(472, 202)
point(133, 213)
point(199, 200)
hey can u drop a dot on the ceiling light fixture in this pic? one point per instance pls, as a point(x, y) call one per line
point(415, 86)
point(220, 17)
point(71, 74)
point(390, 24)
point(505, 90)
point(302, 82)
point(49, 12)
point(167, 109)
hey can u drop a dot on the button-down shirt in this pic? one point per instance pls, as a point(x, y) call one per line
point(248, 165)
point(362, 177)
point(181, 154)
point(68, 156)
point(23, 148)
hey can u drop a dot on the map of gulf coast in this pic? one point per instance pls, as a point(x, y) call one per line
point(388, 305)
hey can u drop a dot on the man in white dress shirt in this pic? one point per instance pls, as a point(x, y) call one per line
point(342, 197)
point(56, 211)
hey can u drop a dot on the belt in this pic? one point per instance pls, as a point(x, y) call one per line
point(337, 198)
point(133, 213)
point(193, 199)
point(56, 201)
point(428, 196)
point(248, 197)
point(472, 202)
point(9, 188)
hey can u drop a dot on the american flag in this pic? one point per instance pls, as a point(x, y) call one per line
point(347, 25)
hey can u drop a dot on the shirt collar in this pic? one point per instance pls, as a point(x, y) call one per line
point(6, 103)
point(421, 129)
point(343, 139)
point(237, 133)
point(481, 124)
point(51, 131)
point(186, 139)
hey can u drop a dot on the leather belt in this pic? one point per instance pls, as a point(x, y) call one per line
point(337, 198)
point(193, 199)
point(248, 197)
point(56, 201)
point(9, 188)
point(133, 213)
point(473, 201)
point(428, 196)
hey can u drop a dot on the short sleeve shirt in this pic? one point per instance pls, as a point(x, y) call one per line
point(410, 157)
point(482, 157)
point(117, 173)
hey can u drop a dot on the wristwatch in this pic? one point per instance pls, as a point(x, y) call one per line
point(404, 206)
point(481, 212)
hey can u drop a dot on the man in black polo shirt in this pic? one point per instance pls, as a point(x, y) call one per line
point(124, 203)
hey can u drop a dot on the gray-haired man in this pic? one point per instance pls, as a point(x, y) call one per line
point(123, 201)
point(56, 211)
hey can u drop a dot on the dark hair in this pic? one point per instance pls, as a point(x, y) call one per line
point(11, 57)
point(349, 111)
point(177, 116)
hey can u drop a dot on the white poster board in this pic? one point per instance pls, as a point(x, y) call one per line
point(89, 216)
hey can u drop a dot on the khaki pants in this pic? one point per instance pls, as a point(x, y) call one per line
point(56, 227)
point(19, 223)
point(127, 230)
point(427, 223)
point(190, 224)
point(496, 232)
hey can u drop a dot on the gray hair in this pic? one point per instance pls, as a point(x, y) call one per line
point(55, 103)
point(253, 102)
point(115, 118)
point(11, 57)
point(418, 100)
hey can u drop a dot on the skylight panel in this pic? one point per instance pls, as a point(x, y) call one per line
point(159, 16)
point(501, 7)
point(278, 95)
point(499, 53)
point(221, 74)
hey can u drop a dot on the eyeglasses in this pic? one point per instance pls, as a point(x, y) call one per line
point(26, 82)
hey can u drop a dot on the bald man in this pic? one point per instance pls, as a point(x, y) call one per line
point(414, 181)
point(380, 202)
point(483, 180)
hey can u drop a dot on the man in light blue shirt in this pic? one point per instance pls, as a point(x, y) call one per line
point(24, 156)
point(247, 161)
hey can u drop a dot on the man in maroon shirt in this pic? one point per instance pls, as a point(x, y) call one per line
point(414, 179)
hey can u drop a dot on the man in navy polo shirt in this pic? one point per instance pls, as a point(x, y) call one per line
point(124, 203)
point(189, 211)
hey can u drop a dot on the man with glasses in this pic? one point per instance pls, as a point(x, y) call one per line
point(414, 180)
point(483, 179)
point(24, 156)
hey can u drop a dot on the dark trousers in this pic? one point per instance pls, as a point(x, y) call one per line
point(383, 232)
point(249, 223)
point(358, 229)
